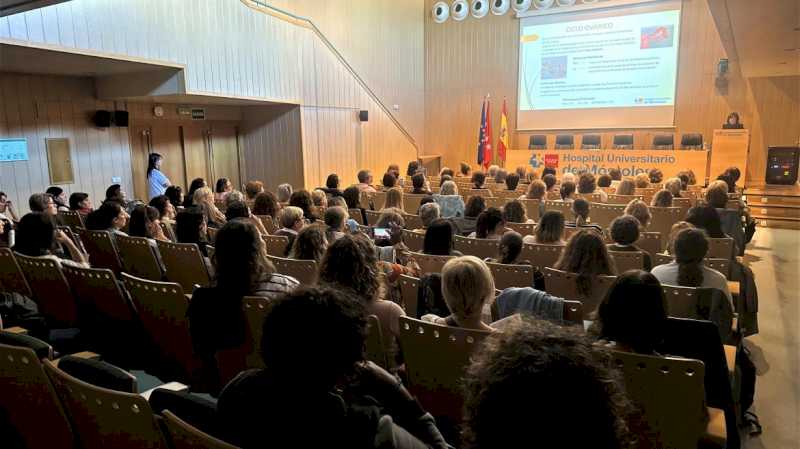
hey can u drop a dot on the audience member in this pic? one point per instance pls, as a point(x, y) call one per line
point(548, 171)
point(587, 184)
point(43, 202)
point(549, 181)
point(284, 192)
point(568, 177)
point(204, 199)
point(586, 256)
point(509, 249)
point(338, 201)
point(662, 198)
point(604, 181)
point(512, 181)
point(413, 168)
point(478, 180)
point(222, 189)
point(500, 176)
point(175, 195)
point(427, 213)
point(451, 204)
point(291, 220)
point(145, 221)
point(536, 191)
point(420, 185)
point(626, 187)
point(707, 219)
point(655, 176)
point(234, 196)
point(491, 172)
point(475, 205)
point(332, 185)
point(633, 315)
point(59, 197)
point(166, 212)
point(439, 239)
point(319, 199)
point(196, 184)
point(306, 372)
point(365, 181)
point(580, 208)
point(110, 216)
point(240, 210)
point(352, 196)
point(335, 221)
point(310, 244)
point(687, 269)
point(554, 367)
point(7, 208)
point(389, 181)
point(190, 227)
point(625, 233)
point(78, 202)
point(567, 191)
point(490, 225)
point(464, 170)
point(642, 181)
point(673, 233)
point(468, 288)
point(446, 171)
point(674, 186)
point(549, 230)
point(514, 212)
point(639, 209)
point(394, 198)
point(615, 174)
point(302, 199)
point(266, 204)
point(38, 236)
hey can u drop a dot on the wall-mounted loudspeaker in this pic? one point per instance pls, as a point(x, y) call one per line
point(520, 5)
point(543, 4)
point(363, 116)
point(500, 7)
point(440, 12)
point(102, 119)
point(459, 10)
point(121, 118)
point(480, 8)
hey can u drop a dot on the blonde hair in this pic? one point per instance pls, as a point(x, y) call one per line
point(536, 190)
point(204, 197)
point(674, 186)
point(290, 215)
point(626, 187)
point(642, 181)
point(639, 209)
point(319, 198)
point(717, 194)
point(394, 198)
point(448, 188)
point(674, 231)
point(467, 284)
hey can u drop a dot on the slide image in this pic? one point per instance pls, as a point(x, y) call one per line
point(554, 67)
point(656, 37)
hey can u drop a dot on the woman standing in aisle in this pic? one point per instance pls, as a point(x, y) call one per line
point(157, 182)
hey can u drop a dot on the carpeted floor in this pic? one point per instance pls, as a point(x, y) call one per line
point(774, 256)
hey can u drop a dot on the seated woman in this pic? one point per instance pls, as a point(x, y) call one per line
point(561, 369)
point(707, 219)
point(580, 207)
point(352, 196)
point(633, 315)
point(332, 186)
point(284, 193)
point(335, 223)
point(292, 222)
point(642, 181)
point(468, 289)
point(351, 265)
point(240, 210)
point(241, 266)
point(490, 225)
point(166, 211)
point(662, 198)
point(500, 174)
point(549, 230)
point(512, 181)
point(509, 249)
point(639, 209)
point(43, 202)
point(439, 239)
point(625, 233)
point(204, 199)
point(674, 186)
point(266, 204)
point(310, 244)
point(222, 189)
point(688, 268)
point(389, 181)
point(567, 190)
point(354, 401)
point(536, 191)
point(427, 213)
point(59, 197)
point(252, 189)
point(302, 199)
point(110, 216)
point(655, 176)
point(478, 180)
point(319, 200)
point(730, 220)
point(80, 203)
point(338, 201)
point(146, 222)
point(514, 212)
point(190, 227)
point(463, 170)
point(197, 183)
point(394, 199)
point(586, 256)
point(475, 205)
point(175, 195)
point(587, 184)
point(38, 236)
point(626, 187)
point(451, 205)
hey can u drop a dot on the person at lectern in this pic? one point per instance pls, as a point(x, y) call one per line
point(732, 122)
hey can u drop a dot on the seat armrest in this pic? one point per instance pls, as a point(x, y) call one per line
point(16, 330)
point(174, 386)
point(730, 358)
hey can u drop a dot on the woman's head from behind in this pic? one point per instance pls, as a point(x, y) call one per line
point(567, 190)
point(240, 258)
point(284, 192)
point(634, 312)
point(642, 181)
point(586, 256)
point(717, 194)
point(190, 226)
point(467, 284)
point(310, 244)
point(352, 262)
point(394, 198)
point(175, 195)
point(625, 230)
point(163, 206)
point(333, 181)
point(550, 228)
point(475, 205)
point(639, 209)
point(448, 188)
point(35, 234)
point(110, 215)
point(536, 190)
point(352, 196)
point(580, 207)
point(554, 367)
point(266, 203)
point(223, 185)
point(438, 238)
point(706, 218)
point(478, 179)
point(626, 187)
point(662, 198)
point(510, 247)
point(389, 180)
point(674, 185)
point(691, 247)
point(490, 223)
point(302, 199)
point(514, 212)
point(79, 201)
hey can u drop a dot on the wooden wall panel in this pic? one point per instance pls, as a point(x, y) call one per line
point(272, 145)
point(39, 107)
point(776, 119)
point(466, 60)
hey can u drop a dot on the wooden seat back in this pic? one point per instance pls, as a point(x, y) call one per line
point(564, 285)
point(409, 292)
point(531, 208)
point(622, 199)
point(355, 214)
point(436, 357)
point(591, 197)
point(32, 406)
point(430, 264)
point(73, 219)
point(139, 258)
point(633, 260)
point(231, 362)
point(375, 349)
point(276, 244)
point(506, 276)
point(560, 206)
point(650, 242)
point(305, 271)
point(541, 255)
point(415, 241)
point(720, 248)
point(480, 248)
point(102, 250)
point(662, 221)
point(412, 221)
point(603, 214)
point(411, 202)
point(522, 228)
point(50, 290)
point(494, 202)
point(184, 264)
point(104, 418)
point(372, 217)
point(11, 277)
point(269, 223)
point(183, 435)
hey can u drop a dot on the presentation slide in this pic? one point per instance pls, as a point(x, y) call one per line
point(609, 68)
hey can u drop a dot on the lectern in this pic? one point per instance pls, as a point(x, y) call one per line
point(729, 148)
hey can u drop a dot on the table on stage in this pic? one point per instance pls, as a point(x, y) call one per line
point(598, 162)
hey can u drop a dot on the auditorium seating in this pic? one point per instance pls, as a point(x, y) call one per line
point(269, 223)
point(72, 219)
point(537, 142)
point(276, 245)
point(409, 287)
point(139, 258)
point(531, 208)
point(183, 435)
point(372, 217)
point(541, 255)
point(414, 240)
point(184, 264)
point(664, 142)
point(561, 206)
point(564, 285)
point(430, 264)
point(50, 291)
point(11, 277)
point(480, 248)
point(603, 214)
point(590, 142)
point(230, 362)
point(565, 142)
point(623, 142)
point(506, 276)
point(662, 221)
point(101, 249)
point(625, 261)
point(692, 141)
point(622, 199)
point(411, 202)
point(305, 271)
point(374, 348)
point(522, 228)
point(412, 221)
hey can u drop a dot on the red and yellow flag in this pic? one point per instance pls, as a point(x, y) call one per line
point(502, 142)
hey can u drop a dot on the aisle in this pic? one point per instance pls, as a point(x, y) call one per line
point(774, 256)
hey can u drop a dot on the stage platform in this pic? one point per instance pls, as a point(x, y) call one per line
point(774, 206)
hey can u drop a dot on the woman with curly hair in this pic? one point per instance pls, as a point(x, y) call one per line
point(310, 244)
point(561, 368)
point(302, 199)
point(639, 209)
point(266, 203)
point(514, 212)
point(351, 264)
point(490, 225)
point(586, 256)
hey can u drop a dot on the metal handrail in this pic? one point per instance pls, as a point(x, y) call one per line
point(306, 22)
